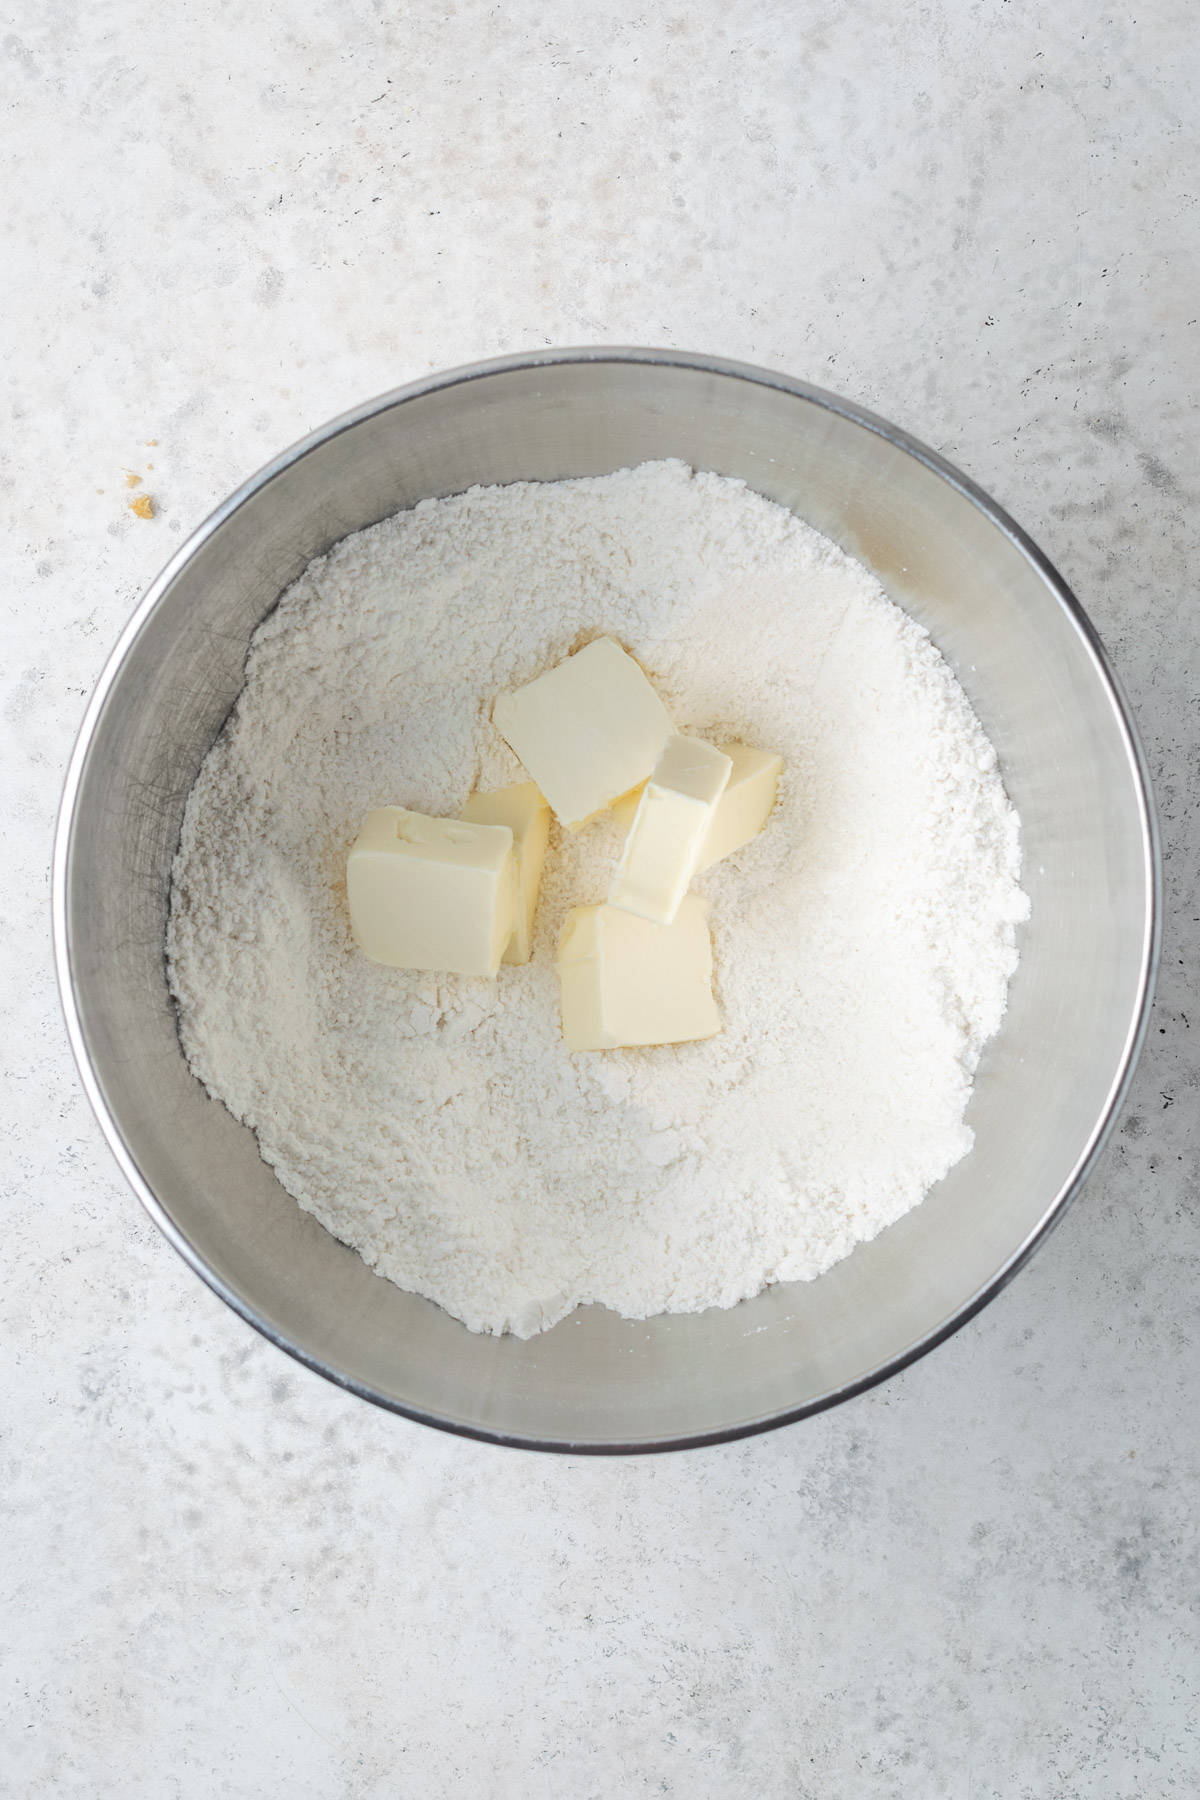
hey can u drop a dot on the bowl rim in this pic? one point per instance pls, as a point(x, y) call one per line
point(725, 368)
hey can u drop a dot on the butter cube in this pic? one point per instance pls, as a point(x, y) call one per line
point(432, 893)
point(587, 731)
point(523, 809)
point(745, 806)
point(670, 828)
point(626, 982)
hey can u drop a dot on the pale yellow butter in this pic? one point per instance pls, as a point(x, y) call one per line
point(624, 809)
point(674, 817)
point(745, 806)
point(523, 809)
point(587, 731)
point(431, 893)
point(626, 982)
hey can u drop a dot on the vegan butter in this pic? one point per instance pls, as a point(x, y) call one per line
point(670, 828)
point(431, 893)
point(625, 981)
point(523, 809)
point(587, 731)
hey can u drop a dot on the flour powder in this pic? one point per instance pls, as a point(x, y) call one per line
point(863, 943)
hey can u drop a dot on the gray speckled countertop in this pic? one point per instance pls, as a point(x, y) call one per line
point(225, 223)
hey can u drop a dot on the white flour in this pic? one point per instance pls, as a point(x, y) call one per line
point(863, 943)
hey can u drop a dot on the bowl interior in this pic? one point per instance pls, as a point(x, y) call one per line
point(1048, 1081)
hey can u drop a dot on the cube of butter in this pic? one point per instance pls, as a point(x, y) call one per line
point(523, 809)
point(745, 806)
point(626, 982)
point(432, 893)
point(587, 731)
point(669, 830)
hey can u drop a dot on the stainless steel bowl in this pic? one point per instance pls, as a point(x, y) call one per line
point(1050, 1083)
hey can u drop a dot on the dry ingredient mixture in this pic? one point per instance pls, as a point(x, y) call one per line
point(863, 942)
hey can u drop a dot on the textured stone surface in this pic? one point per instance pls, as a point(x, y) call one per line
point(222, 1577)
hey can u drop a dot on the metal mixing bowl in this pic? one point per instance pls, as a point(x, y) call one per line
point(1049, 1085)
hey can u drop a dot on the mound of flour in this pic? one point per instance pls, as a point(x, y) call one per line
point(863, 943)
